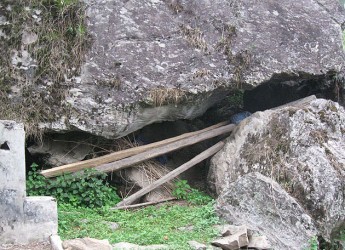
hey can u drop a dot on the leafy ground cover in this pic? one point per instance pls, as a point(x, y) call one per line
point(173, 225)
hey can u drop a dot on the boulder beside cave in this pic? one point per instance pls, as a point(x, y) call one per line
point(302, 150)
point(263, 205)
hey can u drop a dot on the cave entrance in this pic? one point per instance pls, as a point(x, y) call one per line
point(60, 149)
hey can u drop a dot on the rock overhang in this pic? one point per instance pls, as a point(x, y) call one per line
point(198, 49)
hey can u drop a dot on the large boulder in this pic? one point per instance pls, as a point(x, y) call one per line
point(155, 60)
point(302, 150)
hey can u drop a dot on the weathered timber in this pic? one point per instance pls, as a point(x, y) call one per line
point(77, 166)
point(144, 204)
point(300, 103)
point(200, 157)
point(136, 159)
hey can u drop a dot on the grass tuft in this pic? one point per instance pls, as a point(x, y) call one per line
point(194, 36)
point(164, 96)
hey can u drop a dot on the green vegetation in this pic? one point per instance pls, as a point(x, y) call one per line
point(166, 224)
point(55, 54)
point(84, 200)
point(318, 243)
point(313, 244)
point(87, 189)
point(235, 99)
point(184, 191)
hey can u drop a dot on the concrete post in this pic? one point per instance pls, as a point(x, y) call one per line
point(22, 219)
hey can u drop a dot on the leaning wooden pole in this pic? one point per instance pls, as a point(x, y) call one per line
point(300, 103)
point(135, 159)
point(77, 166)
point(200, 157)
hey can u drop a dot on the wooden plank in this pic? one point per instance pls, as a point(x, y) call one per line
point(135, 159)
point(200, 157)
point(298, 103)
point(144, 204)
point(77, 166)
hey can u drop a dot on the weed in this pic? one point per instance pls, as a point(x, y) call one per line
point(175, 6)
point(88, 189)
point(163, 96)
point(194, 37)
point(313, 244)
point(235, 99)
point(181, 189)
point(200, 73)
point(184, 191)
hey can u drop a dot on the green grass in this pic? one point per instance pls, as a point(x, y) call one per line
point(151, 225)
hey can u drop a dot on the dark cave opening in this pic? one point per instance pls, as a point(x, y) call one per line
point(280, 90)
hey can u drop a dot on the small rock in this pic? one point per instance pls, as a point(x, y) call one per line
point(213, 248)
point(86, 244)
point(125, 246)
point(226, 244)
point(29, 37)
point(113, 225)
point(187, 228)
point(259, 242)
point(130, 246)
point(196, 245)
point(234, 241)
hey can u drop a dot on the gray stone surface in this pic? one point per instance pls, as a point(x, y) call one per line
point(302, 149)
point(22, 219)
point(86, 244)
point(145, 48)
point(261, 203)
point(192, 51)
point(61, 149)
point(234, 238)
point(259, 242)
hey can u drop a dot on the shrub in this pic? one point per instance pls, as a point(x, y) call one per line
point(82, 189)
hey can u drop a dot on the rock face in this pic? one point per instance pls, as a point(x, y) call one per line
point(303, 151)
point(156, 60)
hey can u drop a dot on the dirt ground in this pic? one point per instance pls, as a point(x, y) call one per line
point(33, 246)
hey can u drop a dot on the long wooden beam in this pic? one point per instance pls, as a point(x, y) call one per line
point(176, 172)
point(300, 103)
point(77, 166)
point(144, 204)
point(138, 158)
